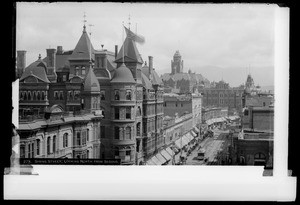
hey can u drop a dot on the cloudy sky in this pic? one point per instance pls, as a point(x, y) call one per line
point(218, 41)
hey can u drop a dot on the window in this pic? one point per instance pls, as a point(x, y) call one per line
point(83, 70)
point(76, 70)
point(128, 94)
point(128, 113)
point(87, 154)
point(65, 140)
point(34, 95)
point(32, 150)
point(29, 151)
point(102, 131)
point(78, 139)
point(38, 147)
point(246, 112)
point(87, 135)
point(117, 95)
point(54, 143)
point(102, 94)
point(128, 152)
point(48, 145)
point(83, 138)
point(43, 95)
point(128, 133)
point(76, 94)
point(29, 95)
point(56, 95)
point(264, 104)
point(70, 93)
point(116, 152)
point(138, 129)
point(61, 95)
point(21, 95)
point(64, 78)
point(117, 133)
point(38, 96)
point(165, 104)
point(138, 111)
point(117, 113)
point(176, 104)
point(181, 105)
point(22, 151)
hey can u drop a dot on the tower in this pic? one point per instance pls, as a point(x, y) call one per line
point(51, 71)
point(176, 63)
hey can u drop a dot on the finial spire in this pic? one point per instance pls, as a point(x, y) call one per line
point(84, 21)
point(129, 22)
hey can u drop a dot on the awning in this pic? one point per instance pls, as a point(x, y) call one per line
point(168, 149)
point(193, 133)
point(166, 155)
point(178, 143)
point(196, 129)
point(156, 160)
point(161, 158)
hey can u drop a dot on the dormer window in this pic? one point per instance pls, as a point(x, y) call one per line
point(83, 70)
point(128, 94)
point(117, 95)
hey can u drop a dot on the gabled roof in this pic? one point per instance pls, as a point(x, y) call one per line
point(37, 69)
point(82, 49)
point(91, 83)
point(123, 75)
point(131, 53)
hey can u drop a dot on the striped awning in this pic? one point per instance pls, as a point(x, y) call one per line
point(196, 129)
point(166, 155)
point(168, 149)
point(156, 160)
point(161, 158)
point(150, 162)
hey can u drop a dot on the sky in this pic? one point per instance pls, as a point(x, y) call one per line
point(224, 41)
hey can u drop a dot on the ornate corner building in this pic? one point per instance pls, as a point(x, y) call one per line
point(88, 103)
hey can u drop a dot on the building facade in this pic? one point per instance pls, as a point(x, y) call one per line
point(180, 82)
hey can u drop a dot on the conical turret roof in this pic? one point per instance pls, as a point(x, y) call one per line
point(131, 53)
point(82, 49)
point(91, 83)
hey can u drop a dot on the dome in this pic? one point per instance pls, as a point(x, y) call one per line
point(123, 75)
point(91, 83)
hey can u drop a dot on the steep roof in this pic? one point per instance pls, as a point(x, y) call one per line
point(154, 78)
point(131, 53)
point(37, 69)
point(123, 75)
point(146, 82)
point(82, 49)
point(91, 83)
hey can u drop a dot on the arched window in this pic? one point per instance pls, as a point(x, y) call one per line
point(29, 95)
point(56, 95)
point(83, 70)
point(38, 96)
point(138, 111)
point(71, 95)
point(48, 145)
point(38, 141)
point(34, 95)
point(128, 95)
point(117, 95)
point(54, 143)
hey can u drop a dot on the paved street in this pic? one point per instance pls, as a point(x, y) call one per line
point(212, 145)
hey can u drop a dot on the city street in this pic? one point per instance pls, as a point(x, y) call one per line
point(212, 146)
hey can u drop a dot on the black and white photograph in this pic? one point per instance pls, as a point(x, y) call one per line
point(151, 85)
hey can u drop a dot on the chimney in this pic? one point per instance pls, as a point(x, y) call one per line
point(51, 57)
point(21, 62)
point(59, 49)
point(150, 64)
point(116, 51)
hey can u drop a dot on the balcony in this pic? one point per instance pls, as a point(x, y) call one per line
point(123, 142)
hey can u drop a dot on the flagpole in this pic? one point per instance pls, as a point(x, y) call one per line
point(123, 42)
